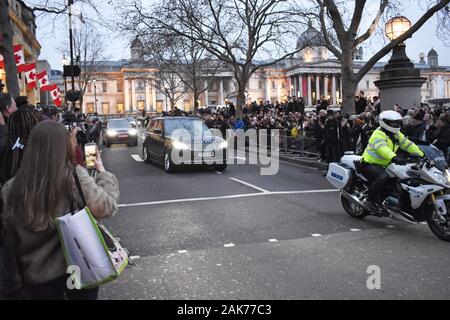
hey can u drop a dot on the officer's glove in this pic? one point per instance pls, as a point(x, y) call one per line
point(399, 160)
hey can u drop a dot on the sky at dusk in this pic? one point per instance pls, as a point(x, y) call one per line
point(54, 36)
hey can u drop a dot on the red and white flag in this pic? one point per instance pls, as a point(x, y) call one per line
point(18, 57)
point(56, 94)
point(30, 75)
point(43, 80)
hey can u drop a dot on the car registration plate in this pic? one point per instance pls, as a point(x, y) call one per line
point(206, 154)
point(123, 136)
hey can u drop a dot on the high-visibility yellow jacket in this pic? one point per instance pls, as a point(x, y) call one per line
point(381, 149)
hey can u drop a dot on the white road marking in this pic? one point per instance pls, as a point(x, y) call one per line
point(137, 157)
point(218, 172)
point(134, 257)
point(234, 196)
point(390, 226)
point(273, 240)
point(250, 185)
point(316, 235)
point(219, 264)
point(423, 222)
point(240, 158)
point(355, 230)
point(182, 251)
point(228, 245)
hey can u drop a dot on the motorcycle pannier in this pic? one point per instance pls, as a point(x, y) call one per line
point(339, 174)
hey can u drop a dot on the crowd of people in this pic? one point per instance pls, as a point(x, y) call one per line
point(41, 156)
point(327, 133)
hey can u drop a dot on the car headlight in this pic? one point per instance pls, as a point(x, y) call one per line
point(223, 145)
point(111, 132)
point(447, 175)
point(180, 145)
point(132, 132)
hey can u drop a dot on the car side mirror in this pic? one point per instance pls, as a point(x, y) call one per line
point(157, 131)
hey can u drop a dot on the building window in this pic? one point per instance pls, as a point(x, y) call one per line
point(119, 86)
point(104, 86)
point(274, 85)
point(89, 88)
point(367, 84)
point(141, 105)
point(260, 84)
point(90, 107)
point(120, 107)
point(105, 107)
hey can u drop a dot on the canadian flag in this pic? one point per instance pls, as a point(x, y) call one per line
point(43, 80)
point(30, 75)
point(56, 94)
point(18, 57)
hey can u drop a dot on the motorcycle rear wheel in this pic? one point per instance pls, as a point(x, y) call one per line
point(439, 230)
point(352, 209)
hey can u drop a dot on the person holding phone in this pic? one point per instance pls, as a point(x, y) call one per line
point(44, 188)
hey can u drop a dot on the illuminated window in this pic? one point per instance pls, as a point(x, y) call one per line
point(141, 105)
point(120, 108)
point(104, 86)
point(105, 107)
point(90, 107)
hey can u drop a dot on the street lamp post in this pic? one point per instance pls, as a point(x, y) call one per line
point(400, 83)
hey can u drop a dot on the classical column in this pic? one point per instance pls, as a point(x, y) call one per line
point(309, 91)
point(147, 96)
point(325, 86)
point(279, 89)
point(333, 88)
point(221, 99)
point(340, 87)
point(133, 95)
point(317, 87)
point(206, 94)
point(126, 90)
point(267, 89)
point(153, 98)
point(300, 86)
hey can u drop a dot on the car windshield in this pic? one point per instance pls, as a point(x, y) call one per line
point(196, 127)
point(119, 123)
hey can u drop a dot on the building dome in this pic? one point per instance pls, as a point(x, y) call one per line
point(136, 43)
point(311, 37)
point(432, 53)
point(433, 60)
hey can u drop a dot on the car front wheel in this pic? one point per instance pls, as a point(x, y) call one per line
point(145, 155)
point(169, 166)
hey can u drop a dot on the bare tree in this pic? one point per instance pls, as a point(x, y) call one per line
point(53, 7)
point(340, 26)
point(246, 34)
point(190, 62)
point(88, 47)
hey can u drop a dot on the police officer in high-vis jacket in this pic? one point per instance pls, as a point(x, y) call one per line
point(381, 151)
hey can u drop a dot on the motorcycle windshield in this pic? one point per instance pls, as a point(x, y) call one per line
point(434, 154)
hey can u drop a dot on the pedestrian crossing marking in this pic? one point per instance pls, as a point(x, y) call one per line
point(390, 227)
point(355, 230)
point(182, 251)
point(228, 245)
point(273, 240)
point(316, 235)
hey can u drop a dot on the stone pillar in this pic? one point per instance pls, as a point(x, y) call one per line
point(309, 91)
point(300, 86)
point(126, 90)
point(221, 99)
point(147, 96)
point(267, 89)
point(133, 95)
point(279, 90)
point(153, 98)
point(333, 87)
point(317, 87)
point(206, 94)
point(325, 86)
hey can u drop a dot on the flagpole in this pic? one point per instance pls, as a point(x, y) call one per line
point(71, 47)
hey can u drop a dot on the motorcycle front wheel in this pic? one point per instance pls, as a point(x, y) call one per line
point(352, 209)
point(439, 229)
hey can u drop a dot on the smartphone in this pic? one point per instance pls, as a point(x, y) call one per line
point(67, 127)
point(90, 153)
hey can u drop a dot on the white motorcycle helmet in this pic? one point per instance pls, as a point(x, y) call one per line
point(390, 121)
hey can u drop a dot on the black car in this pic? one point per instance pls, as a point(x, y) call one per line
point(119, 131)
point(177, 141)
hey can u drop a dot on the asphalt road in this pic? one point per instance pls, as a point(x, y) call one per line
point(199, 234)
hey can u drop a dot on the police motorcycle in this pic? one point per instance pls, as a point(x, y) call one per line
point(416, 192)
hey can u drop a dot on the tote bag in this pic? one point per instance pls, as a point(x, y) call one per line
point(90, 247)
